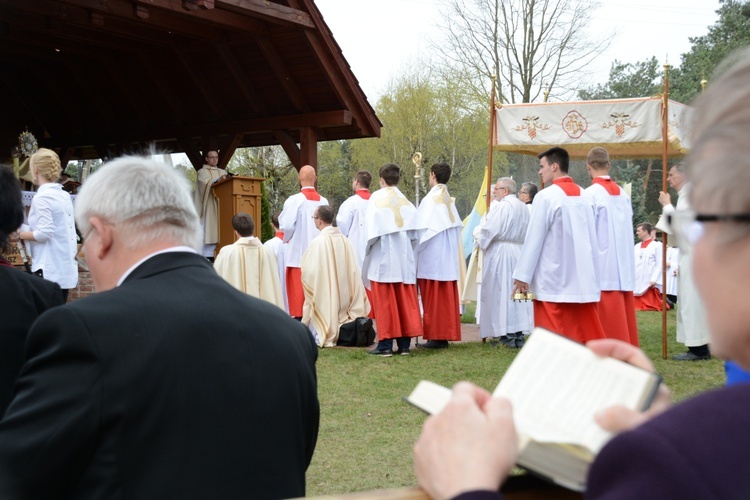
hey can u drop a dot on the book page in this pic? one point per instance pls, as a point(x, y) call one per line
point(556, 385)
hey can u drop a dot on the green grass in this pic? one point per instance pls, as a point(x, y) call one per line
point(367, 432)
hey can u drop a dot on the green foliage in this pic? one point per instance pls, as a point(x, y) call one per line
point(731, 31)
point(272, 164)
point(640, 79)
point(266, 229)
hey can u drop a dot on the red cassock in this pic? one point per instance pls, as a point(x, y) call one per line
point(396, 310)
point(441, 317)
point(617, 315)
point(578, 321)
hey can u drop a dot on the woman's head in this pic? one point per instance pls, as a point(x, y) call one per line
point(718, 169)
point(45, 166)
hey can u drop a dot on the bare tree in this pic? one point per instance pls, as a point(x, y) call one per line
point(529, 46)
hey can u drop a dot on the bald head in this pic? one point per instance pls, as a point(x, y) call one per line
point(307, 176)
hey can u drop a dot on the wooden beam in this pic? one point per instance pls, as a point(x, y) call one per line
point(198, 81)
point(241, 78)
point(289, 145)
point(195, 157)
point(272, 11)
point(308, 145)
point(282, 74)
point(228, 149)
point(165, 93)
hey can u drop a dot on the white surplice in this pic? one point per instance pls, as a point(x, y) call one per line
point(392, 238)
point(692, 327)
point(251, 268)
point(647, 267)
point(297, 224)
point(351, 220)
point(501, 238)
point(614, 231)
point(558, 259)
point(673, 269)
point(440, 226)
point(277, 246)
point(332, 282)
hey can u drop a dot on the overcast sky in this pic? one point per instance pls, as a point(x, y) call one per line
point(380, 39)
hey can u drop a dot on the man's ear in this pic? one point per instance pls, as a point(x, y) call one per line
point(105, 234)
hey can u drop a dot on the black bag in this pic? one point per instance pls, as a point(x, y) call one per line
point(357, 333)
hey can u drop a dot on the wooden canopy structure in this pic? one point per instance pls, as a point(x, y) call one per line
point(98, 78)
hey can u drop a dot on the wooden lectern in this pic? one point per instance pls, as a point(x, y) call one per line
point(236, 194)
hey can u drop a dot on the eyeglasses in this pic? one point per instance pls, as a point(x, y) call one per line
point(314, 217)
point(523, 192)
point(688, 226)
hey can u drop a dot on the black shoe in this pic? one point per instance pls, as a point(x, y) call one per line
point(434, 344)
point(386, 353)
point(689, 356)
point(403, 352)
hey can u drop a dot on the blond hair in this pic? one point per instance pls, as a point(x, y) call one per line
point(46, 163)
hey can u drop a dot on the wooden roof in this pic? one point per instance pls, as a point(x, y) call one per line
point(95, 78)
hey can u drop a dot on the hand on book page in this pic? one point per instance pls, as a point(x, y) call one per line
point(618, 418)
point(452, 454)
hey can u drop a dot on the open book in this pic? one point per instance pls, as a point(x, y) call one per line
point(556, 385)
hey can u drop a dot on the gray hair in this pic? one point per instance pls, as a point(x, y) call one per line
point(508, 183)
point(148, 199)
point(718, 166)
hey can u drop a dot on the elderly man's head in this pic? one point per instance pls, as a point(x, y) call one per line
point(718, 169)
point(130, 207)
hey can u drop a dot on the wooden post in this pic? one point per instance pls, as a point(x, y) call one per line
point(493, 124)
point(665, 242)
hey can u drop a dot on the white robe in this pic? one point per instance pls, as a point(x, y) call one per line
point(614, 231)
point(331, 279)
point(673, 268)
point(440, 226)
point(692, 327)
point(501, 238)
point(351, 220)
point(277, 246)
point(392, 238)
point(297, 224)
point(206, 203)
point(647, 267)
point(558, 259)
point(251, 268)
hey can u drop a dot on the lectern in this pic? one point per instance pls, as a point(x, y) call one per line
point(237, 194)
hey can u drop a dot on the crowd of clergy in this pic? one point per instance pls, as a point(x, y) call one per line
point(560, 258)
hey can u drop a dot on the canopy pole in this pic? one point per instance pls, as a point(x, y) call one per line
point(488, 192)
point(665, 144)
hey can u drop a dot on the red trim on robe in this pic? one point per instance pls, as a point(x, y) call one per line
point(608, 184)
point(279, 235)
point(371, 315)
point(364, 193)
point(5, 263)
point(649, 301)
point(396, 310)
point(644, 244)
point(617, 314)
point(575, 320)
point(441, 317)
point(295, 294)
point(568, 186)
point(310, 193)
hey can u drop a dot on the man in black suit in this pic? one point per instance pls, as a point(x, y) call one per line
point(23, 297)
point(168, 383)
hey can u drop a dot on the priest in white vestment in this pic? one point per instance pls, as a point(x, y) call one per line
point(334, 293)
point(389, 268)
point(249, 266)
point(350, 218)
point(296, 222)
point(206, 203)
point(439, 262)
point(501, 239)
point(613, 213)
point(692, 329)
point(277, 246)
point(559, 261)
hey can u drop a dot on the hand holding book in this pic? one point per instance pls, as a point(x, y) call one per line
point(556, 387)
